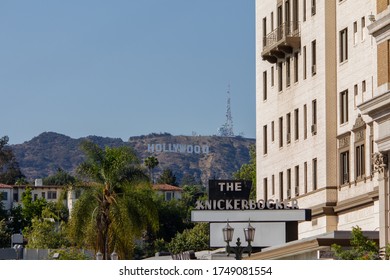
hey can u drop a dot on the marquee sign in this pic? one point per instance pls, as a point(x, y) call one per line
point(229, 189)
point(275, 221)
point(242, 204)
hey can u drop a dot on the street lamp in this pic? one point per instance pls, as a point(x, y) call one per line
point(99, 256)
point(114, 256)
point(18, 249)
point(249, 233)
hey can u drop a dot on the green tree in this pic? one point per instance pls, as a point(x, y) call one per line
point(31, 208)
point(190, 194)
point(196, 239)
point(69, 254)
point(116, 206)
point(167, 177)
point(248, 171)
point(44, 233)
point(151, 163)
point(361, 248)
point(5, 237)
point(61, 178)
point(9, 167)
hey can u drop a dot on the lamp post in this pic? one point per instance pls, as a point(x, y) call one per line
point(249, 233)
point(18, 249)
point(114, 256)
point(99, 256)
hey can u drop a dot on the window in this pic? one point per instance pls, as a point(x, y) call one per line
point(16, 197)
point(280, 76)
point(315, 178)
point(344, 167)
point(344, 45)
point(364, 86)
point(304, 63)
point(52, 195)
point(169, 196)
point(288, 72)
point(265, 188)
point(288, 121)
point(295, 14)
point(296, 124)
point(4, 196)
point(313, 58)
point(344, 107)
point(281, 186)
point(305, 177)
point(355, 94)
point(313, 7)
point(296, 68)
point(265, 144)
point(272, 131)
point(43, 195)
point(272, 76)
point(304, 121)
point(77, 194)
point(264, 85)
point(272, 21)
point(355, 32)
point(264, 32)
point(287, 15)
point(296, 180)
point(314, 117)
point(288, 183)
point(280, 132)
point(363, 25)
point(371, 149)
point(304, 10)
point(35, 196)
point(360, 169)
point(273, 184)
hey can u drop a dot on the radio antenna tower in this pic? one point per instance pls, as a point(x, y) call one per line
point(226, 130)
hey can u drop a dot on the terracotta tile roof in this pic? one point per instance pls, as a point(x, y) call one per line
point(36, 187)
point(166, 187)
point(3, 186)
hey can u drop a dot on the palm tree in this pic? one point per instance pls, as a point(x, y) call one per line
point(116, 205)
point(151, 162)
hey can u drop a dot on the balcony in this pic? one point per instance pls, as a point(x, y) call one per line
point(281, 41)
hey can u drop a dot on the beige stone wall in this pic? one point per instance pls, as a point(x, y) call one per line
point(384, 63)
point(331, 78)
point(382, 5)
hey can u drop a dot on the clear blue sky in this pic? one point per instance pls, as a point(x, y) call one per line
point(124, 68)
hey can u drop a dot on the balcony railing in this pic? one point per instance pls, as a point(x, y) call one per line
point(281, 41)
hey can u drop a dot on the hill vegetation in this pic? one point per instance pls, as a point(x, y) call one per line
point(200, 157)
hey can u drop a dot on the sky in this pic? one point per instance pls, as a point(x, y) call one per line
point(125, 68)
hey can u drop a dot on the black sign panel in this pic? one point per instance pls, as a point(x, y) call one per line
point(229, 189)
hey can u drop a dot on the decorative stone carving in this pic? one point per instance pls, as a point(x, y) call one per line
point(379, 161)
point(359, 135)
point(345, 141)
point(359, 123)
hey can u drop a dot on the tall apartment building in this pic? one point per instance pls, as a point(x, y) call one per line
point(323, 110)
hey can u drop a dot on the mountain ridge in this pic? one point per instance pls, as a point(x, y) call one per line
point(203, 157)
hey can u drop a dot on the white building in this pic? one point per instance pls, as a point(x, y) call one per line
point(317, 69)
point(169, 192)
point(6, 196)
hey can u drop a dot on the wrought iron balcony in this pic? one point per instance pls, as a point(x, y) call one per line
point(281, 41)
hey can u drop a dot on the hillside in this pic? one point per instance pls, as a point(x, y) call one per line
point(203, 157)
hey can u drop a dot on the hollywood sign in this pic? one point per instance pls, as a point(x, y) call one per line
point(178, 148)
